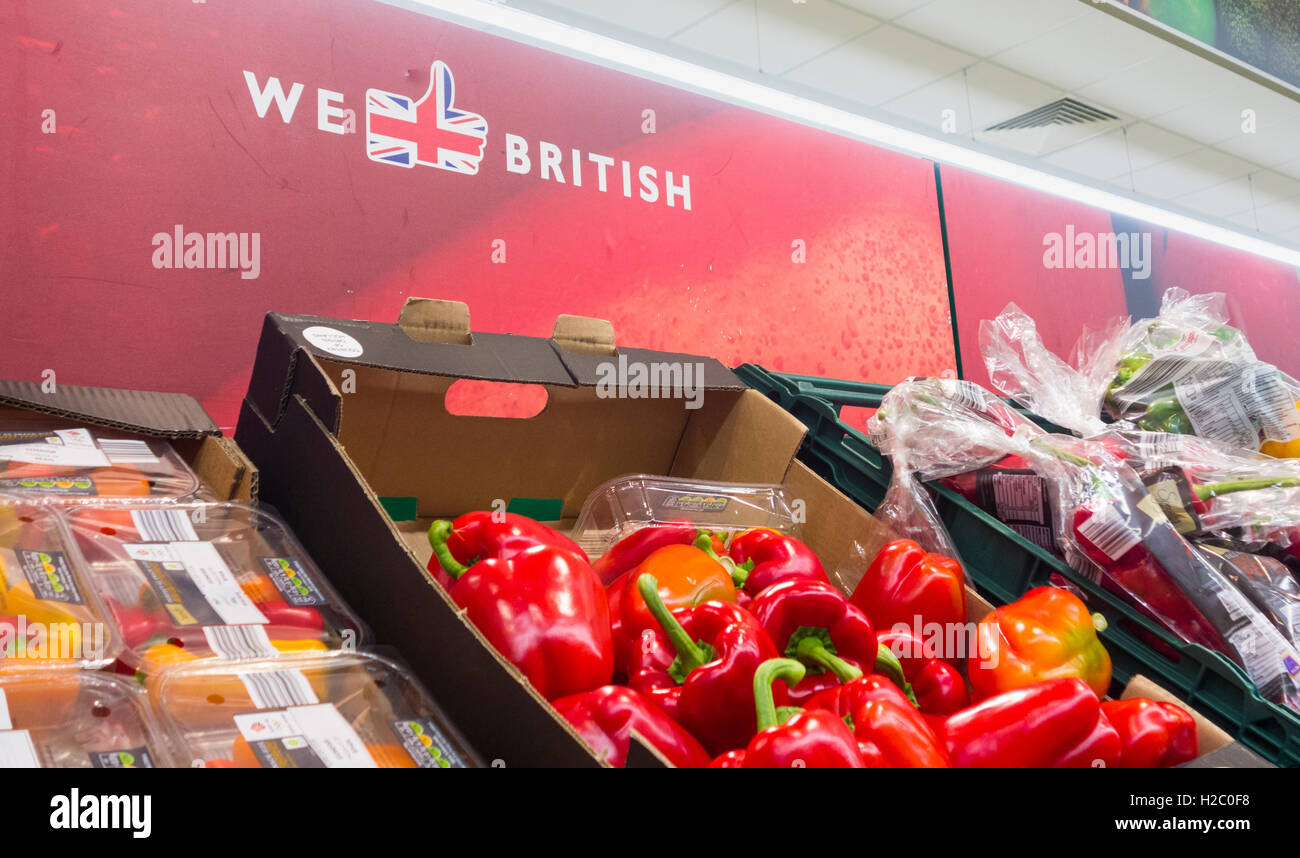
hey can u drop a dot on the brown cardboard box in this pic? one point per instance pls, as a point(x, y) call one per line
point(340, 414)
point(218, 461)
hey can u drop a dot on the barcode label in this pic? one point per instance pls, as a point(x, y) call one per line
point(239, 642)
point(1160, 449)
point(278, 689)
point(1265, 654)
point(124, 451)
point(967, 394)
point(1110, 532)
point(1157, 374)
point(164, 525)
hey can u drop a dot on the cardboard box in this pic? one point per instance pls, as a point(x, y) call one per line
point(343, 417)
point(218, 461)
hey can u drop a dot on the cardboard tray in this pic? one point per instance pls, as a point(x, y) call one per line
point(344, 418)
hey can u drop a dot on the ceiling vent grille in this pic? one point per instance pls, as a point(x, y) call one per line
point(1065, 111)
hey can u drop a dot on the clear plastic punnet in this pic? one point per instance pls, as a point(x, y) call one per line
point(89, 465)
point(629, 503)
point(78, 720)
point(335, 710)
point(50, 613)
point(198, 581)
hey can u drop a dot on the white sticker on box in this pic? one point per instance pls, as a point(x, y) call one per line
point(163, 525)
point(324, 729)
point(202, 562)
point(5, 723)
point(67, 448)
point(17, 750)
point(332, 340)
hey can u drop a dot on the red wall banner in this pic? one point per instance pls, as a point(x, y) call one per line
point(150, 143)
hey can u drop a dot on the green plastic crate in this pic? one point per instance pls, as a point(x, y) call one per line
point(1002, 565)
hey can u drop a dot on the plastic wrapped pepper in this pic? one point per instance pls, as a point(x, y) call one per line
point(485, 535)
point(937, 686)
point(606, 717)
point(897, 735)
point(815, 623)
point(812, 738)
point(907, 587)
point(1047, 633)
point(764, 557)
point(699, 664)
point(1052, 724)
point(1153, 734)
point(545, 611)
point(688, 575)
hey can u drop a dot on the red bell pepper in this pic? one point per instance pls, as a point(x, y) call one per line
point(486, 535)
point(545, 611)
point(814, 623)
point(1153, 735)
point(886, 721)
point(908, 587)
point(606, 717)
point(764, 557)
point(699, 667)
point(1045, 634)
point(938, 686)
point(1054, 724)
point(810, 738)
point(730, 760)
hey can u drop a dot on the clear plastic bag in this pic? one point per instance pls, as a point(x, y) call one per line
point(1186, 371)
point(334, 710)
point(1108, 526)
point(89, 465)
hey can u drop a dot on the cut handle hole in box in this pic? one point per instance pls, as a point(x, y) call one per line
point(473, 398)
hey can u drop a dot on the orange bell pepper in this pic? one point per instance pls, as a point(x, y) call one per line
point(1046, 634)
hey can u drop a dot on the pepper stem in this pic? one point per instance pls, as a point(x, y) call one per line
point(738, 572)
point(813, 647)
point(1099, 623)
point(888, 665)
point(690, 653)
point(439, 533)
point(768, 672)
point(1205, 491)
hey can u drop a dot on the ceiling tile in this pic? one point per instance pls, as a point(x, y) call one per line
point(884, 9)
point(927, 105)
point(791, 33)
point(1270, 145)
point(1279, 217)
point(1201, 169)
point(659, 19)
point(880, 65)
point(1090, 48)
point(989, 26)
point(1219, 200)
point(1111, 156)
point(1270, 187)
point(730, 35)
point(1170, 78)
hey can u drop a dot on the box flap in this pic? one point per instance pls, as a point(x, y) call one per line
point(433, 338)
point(144, 412)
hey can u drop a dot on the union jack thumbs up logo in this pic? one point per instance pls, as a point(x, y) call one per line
point(429, 130)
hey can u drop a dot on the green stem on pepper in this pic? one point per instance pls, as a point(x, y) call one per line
point(768, 672)
point(888, 665)
point(439, 533)
point(690, 653)
point(813, 647)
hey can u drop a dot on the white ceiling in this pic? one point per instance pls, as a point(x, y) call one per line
point(1179, 138)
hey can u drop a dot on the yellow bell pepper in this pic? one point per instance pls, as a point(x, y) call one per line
point(1282, 449)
